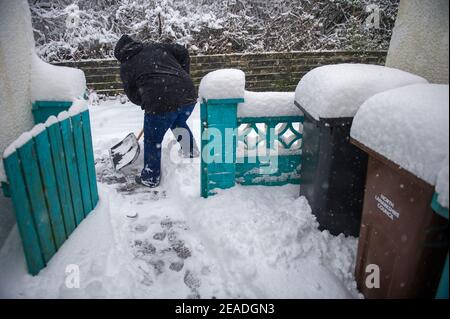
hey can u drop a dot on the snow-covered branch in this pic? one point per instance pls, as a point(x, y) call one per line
point(209, 26)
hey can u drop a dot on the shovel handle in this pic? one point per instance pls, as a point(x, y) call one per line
point(140, 135)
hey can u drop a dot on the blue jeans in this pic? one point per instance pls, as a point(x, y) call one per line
point(155, 127)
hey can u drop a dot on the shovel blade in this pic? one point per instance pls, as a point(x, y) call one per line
point(125, 153)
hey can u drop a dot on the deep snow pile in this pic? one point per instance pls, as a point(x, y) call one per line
point(55, 83)
point(409, 126)
point(252, 242)
point(259, 104)
point(336, 91)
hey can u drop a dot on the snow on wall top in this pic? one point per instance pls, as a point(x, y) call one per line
point(55, 83)
point(258, 104)
point(336, 91)
point(77, 107)
point(223, 84)
point(442, 184)
point(409, 126)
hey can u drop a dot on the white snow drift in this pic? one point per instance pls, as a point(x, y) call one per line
point(55, 83)
point(336, 91)
point(260, 104)
point(223, 84)
point(230, 84)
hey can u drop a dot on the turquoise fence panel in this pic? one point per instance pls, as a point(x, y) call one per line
point(219, 123)
point(24, 217)
point(49, 186)
point(72, 169)
point(28, 159)
point(42, 110)
point(253, 171)
point(87, 135)
point(62, 178)
point(271, 148)
point(81, 163)
point(274, 159)
point(51, 181)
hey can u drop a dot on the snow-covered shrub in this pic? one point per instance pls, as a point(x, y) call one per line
point(79, 29)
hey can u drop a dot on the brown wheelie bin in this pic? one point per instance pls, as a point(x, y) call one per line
point(400, 233)
point(403, 243)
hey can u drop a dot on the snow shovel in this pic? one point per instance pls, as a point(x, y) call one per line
point(126, 152)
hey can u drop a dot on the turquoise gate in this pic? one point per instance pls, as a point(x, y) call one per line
point(52, 183)
point(247, 150)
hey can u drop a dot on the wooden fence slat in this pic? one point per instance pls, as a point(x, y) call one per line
point(62, 178)
point(72, 170)
point(81, 163)
point(25, 222)
point(47, 170)
point(90, 156)
point(28, 159)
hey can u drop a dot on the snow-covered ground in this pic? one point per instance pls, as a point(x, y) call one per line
point(247, 242)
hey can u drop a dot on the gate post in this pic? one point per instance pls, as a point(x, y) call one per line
point(219, 139)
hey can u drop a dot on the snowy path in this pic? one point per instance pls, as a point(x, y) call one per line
point(251, 242)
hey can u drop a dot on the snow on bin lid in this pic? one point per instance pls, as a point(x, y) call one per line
point(409, 126)
point(223, 84)
point(260, 104)
point(442, 184)
point(337, 91)
point(55, 83)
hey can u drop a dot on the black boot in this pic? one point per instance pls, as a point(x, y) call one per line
point(149, 184)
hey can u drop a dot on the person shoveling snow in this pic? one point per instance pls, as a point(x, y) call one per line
point(156, 77)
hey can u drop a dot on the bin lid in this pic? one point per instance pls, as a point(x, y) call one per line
point(337, 91)
point(409, 126)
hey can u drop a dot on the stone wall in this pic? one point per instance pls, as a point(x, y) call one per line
point(264, 71)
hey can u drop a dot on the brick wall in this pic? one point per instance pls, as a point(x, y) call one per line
point(264, 71)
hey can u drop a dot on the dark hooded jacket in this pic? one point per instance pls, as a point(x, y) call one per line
point(155, 76)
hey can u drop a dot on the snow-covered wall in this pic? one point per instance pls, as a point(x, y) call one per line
point(25, 78)
point(16, 49)
point(420, 39)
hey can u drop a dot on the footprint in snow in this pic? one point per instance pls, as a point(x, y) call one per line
point(158, 265)
point(160, 236)
point(177, 266)
point(191, 280)
point(140, 228)
point(144, 248)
